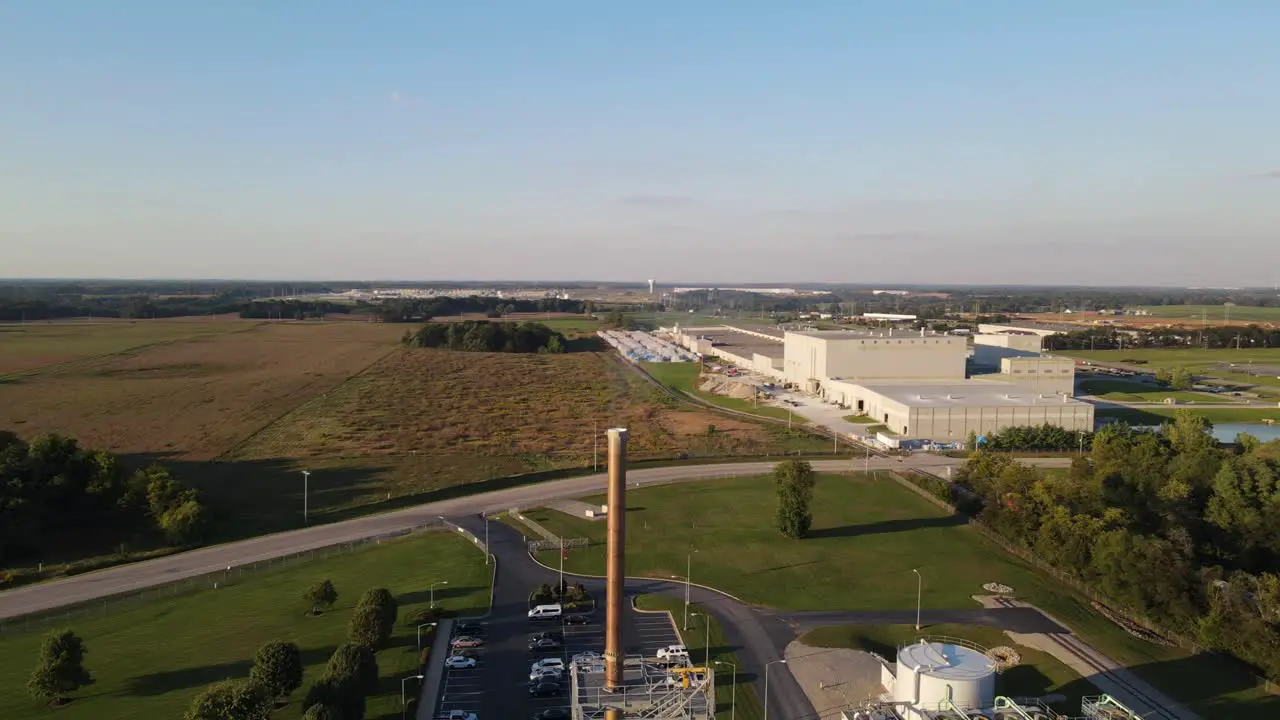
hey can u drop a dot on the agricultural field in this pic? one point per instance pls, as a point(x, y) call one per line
point(1216, 314)
point(150, 658)
point(1197, 360)
point(30, 347)
point(868, 534)
point(195, 397)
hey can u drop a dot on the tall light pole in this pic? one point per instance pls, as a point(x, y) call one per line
point(306, 478)
point(919, 589)
point(766, 685)
point(688, 570)
point(433, 590)
point(706, 638)
point(486, 538)
point(403, 704)
point(420, 636)
point(733, 701)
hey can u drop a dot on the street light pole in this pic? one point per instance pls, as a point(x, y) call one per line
point(688, 570)
point(403, 703)
point(306, 478)
point(420, 635)
point(919, 589)
point(766, 685)
point(486, 538)
point(433, 590)
point(706, 638)
point(733, 701)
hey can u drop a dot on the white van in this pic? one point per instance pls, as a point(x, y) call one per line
point(673, 652)
point(545, 612)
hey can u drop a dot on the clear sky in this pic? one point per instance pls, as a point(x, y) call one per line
point(976, 141)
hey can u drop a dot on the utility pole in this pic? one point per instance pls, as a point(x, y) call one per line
point(595, 446)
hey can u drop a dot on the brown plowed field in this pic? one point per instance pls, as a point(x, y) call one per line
point(193, 396)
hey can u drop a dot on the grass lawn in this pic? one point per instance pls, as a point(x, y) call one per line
point(683, 377)
point(697, 638)
point(860, 419)
point(1194, 359)
point(1214, 313)
point(867, 536)
point(151, 659)
point(1155, 396)
point(27, 348)
point(1039, 673)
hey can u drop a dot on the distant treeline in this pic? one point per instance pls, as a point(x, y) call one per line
point(422, 309)
point(58, 497)
point(1252, 336)
point(484, 336)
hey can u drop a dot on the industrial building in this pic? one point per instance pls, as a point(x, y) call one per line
point(918, 384)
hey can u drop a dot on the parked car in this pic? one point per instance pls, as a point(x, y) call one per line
point(544, 644)
point(577, 620)
point(546, 612)
point(553, 634)
point(588, 657)
point(673, 651)
point(546, 675)
point(466, 641)
point(552, 714)
point(547, 662)
point(460, 662)
point(461, 715)
point(544, 689)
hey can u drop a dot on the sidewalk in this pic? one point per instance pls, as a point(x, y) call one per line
point(435, 671)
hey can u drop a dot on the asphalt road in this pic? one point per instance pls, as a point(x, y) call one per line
point(136, 576)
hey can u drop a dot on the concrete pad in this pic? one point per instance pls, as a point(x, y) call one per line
point(834, 678)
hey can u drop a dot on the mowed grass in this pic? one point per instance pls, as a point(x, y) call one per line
point(1038, 674)
point(25, 348)
point(1194, 359)
point(698, 638)
point(151, 659)
point(868, 534)
point(683, 377)
point(1214, 313)
point(197, 398)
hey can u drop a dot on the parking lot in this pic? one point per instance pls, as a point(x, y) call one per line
point(498, 686)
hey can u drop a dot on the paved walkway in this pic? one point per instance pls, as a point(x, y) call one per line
point(533, 525)
point(578, 509)
point(435, 671)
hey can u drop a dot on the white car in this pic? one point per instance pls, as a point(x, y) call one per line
point(544, 663)
point(462, 715)
point(673, 651)
point(588, 658)
point(459, 662)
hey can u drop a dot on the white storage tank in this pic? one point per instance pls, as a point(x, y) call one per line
point(931, 671)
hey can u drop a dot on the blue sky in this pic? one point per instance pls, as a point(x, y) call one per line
point(855, 141)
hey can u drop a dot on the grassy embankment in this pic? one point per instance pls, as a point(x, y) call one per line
point(683, 377)
point(698, 638)
point(1214, 313)
point(1038, 674)
point(152, 658)
point(868, 536)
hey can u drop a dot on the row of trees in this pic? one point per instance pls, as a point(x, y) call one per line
point(1252, 336)
point(54, 491)
point(485, 336)
point(1046, 438)
point(1170, 525)
point(421, 309)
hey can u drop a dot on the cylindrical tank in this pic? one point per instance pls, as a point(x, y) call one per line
point(930, 672)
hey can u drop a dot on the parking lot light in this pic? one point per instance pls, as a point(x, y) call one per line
point(433, 590)
point(420, 635)
point(403, 702)
point(766, 684)
point(706, 642)
point(733, 697)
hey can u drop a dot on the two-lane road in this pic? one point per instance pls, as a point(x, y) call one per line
point(136, 576)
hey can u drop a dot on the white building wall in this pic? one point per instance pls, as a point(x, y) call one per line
point(1045, 375)
point(955, 423)
point(810, 358)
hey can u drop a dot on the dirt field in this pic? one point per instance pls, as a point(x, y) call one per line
point(31, 346)
point(193, 396)
point(538, 408)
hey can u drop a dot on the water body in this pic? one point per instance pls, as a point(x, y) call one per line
point(1226, 432)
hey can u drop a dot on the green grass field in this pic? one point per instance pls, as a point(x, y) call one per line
point(868, 535)
point(149, 660)
point(684, 378)
point(1194, 359)
point(1214, 313)
point(698, 638)
point(1039, 673)
point(860, 419)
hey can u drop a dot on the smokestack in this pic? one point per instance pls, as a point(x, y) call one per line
point(612, 714)
point(617, 534)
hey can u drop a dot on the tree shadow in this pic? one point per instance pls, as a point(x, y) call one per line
point(444, 592)
point(168, 681)
point(888, 526)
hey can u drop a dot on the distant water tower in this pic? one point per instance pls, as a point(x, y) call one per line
point(650, 286)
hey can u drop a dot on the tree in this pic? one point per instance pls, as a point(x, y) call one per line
point(231, 700)
point(320, 711)
point(59, 668)
point(356, 663)
point(340, 697)
point(368, 627)
point(277, 668)
point(184, 524)
point(321, 596)
point(1164, 376)
point(1181, 379)
point(384, 601)
point(793, 483)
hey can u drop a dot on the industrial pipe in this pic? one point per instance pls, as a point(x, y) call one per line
point(616, 572)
